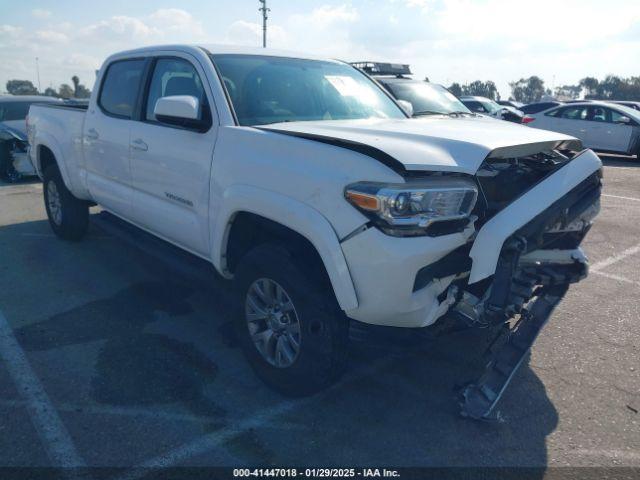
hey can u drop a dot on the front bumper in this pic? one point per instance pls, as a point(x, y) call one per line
point(384, 268)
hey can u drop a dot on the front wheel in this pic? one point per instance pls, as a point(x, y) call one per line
point(290, 327)
point(68, 215)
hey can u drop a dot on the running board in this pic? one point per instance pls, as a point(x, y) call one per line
point(479, 399)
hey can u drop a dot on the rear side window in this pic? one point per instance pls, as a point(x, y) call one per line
point(574, 113)
point(120, 87)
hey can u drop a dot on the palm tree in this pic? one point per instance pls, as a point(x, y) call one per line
point(76, 82)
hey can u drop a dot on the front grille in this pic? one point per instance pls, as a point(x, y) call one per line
point(502, 181)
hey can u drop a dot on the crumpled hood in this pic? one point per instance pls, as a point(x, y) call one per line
point(434, 143)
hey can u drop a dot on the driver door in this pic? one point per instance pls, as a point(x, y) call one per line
point(608, 132)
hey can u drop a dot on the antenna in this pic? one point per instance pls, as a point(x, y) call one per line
point(264, 11)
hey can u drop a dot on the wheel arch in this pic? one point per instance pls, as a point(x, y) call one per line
point(274, 215)
point(47, 153)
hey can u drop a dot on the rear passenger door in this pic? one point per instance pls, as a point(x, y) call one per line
point(106, 135)
point(171, 165)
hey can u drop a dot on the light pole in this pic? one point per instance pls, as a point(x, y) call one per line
point(38, 73)
point(264, 11)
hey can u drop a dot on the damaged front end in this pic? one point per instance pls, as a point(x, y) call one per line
point(536, 264)
point(14, 160)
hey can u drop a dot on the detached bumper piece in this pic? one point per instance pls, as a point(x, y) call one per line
point(523, 295)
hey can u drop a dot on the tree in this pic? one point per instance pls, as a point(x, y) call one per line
point(79, 90)
point(76, 83)
point(528, 90)
point(65, 91)
point(590, 84)
point(482, 89)
point(21, 87)
point(456, 89)
point(50, 92)
point(568, 92)
point(82, 92)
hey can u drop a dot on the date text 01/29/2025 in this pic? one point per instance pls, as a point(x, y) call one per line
point(315, 473)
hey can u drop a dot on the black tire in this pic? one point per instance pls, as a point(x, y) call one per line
point(73, 219)
point(324, 328)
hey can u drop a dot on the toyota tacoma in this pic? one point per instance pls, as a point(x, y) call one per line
point(308, 185)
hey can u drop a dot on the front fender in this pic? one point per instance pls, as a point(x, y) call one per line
point(290, 213)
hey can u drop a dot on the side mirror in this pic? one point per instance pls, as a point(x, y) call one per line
point(179, 110)
point(624, 120)
point(407, 107)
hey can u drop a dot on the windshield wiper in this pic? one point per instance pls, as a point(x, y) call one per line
point(427, 112)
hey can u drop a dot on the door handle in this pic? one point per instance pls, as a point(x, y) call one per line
point(138, 144)
point(92, 134)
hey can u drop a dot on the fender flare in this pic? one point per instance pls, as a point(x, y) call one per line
point(292, 214)
point(48, 141)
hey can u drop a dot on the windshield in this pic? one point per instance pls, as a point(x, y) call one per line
point(491, 106)
point(266, 90)
point(427, 97)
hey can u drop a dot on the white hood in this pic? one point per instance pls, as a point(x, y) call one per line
point(434, 143)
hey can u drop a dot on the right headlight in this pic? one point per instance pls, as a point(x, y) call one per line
point(404, 209)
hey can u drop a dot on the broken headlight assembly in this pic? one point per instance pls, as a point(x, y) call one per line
point(433, 206)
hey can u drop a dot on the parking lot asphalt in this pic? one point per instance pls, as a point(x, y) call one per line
point(108, 357)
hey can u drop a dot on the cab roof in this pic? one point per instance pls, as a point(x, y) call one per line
point(221, 49)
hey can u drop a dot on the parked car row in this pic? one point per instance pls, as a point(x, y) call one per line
point(429, 98)
point(605, 126)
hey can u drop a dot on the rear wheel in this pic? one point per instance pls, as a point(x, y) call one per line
point(290, 326)
point(68, 215)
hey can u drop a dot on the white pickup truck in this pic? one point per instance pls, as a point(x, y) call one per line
point(308, 185)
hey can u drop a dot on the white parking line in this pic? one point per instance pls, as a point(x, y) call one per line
point(622, 198)
point(615, 258)
point(617, 277)
point(210, 441)
point(119, 411)
point(52, 432)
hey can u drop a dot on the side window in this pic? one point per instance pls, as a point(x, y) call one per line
point(475, 106)
point(616, 116)
point(120, 87)
point(174, 76)
point(554, 113)
point(599, 114)
point(574, 113)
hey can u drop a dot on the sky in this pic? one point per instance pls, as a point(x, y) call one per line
point(448, 41)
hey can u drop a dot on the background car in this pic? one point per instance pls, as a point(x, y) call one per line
point(14, 161)
point(14, 109)
point(510, 103)
point(634, 105)
point(602, 126)
point(538, 107)
point(425, 97)
point(487, 106)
